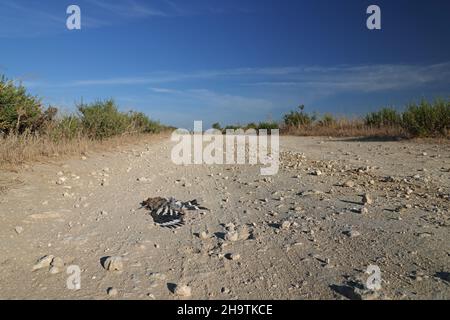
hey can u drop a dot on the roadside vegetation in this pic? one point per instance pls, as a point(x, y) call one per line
point(422, 120)
point(29, 130)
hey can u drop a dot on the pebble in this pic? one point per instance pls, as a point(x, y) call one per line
point(54, 270)
point(113, 264)
point(204, 235)
point(112, 292)
point(57, 262)
point(286, 225)
point(364, 210)
point(317, 173)
point(18, 229)
point(234, 256)
point(349, 184)
point(232, 236)
point(43, 262)
point(183, 291)
point(352, 233)
point(367, 199)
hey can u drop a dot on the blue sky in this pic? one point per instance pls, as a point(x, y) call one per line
point(232, 61)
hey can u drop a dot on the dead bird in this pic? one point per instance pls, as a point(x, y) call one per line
point(170, 213)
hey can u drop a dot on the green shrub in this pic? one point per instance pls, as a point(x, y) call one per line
point(217, 126)
point(298, 118)
point(327, 120)
point(427, 119)
point(102, 119)
point(69, 127)
point(20, 111)
point(142, 123)
point(386, 117)
point(268, 126)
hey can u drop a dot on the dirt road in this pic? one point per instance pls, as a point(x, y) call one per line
point(309, 234)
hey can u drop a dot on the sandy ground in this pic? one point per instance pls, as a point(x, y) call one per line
point(308, 236)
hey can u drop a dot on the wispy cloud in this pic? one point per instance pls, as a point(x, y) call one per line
point(366, 78)
point(128, 8)
point(369, 78)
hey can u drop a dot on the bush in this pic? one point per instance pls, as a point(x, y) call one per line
point(427, 119)
point(102, 119)
point(20, 111)
point(141, 123)
point(268, 126)
point(327, 121)
point(298, 119)
point(386, 117)
point(217, 126)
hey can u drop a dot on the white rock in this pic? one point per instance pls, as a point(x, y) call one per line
point(367, 199)
point(232, 236)
point(204, 235)
point(18, 229)
point(112, 292)
point(55, 270)
point(57, 262)
point(183, 291)
point(113, 264)
point(349, 184)
point(43, 262)
point(286, 225)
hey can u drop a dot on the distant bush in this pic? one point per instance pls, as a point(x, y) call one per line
point(67, 128)
point(268, 126)
point(20, 111)
point(419, 120)
point(327, 121)
point(386, 117)
point(427, 119)
point(298, 118)
point(142, 123)
point(217, 126)
point(102, 119)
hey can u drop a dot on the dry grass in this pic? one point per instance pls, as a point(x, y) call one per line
point(344, 128)
point(17, 150)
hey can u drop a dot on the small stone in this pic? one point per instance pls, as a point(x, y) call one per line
point(112, 292)
point(317, 173)
point(349, 184)
point(367, 199)
point(234, 256)
point(43, 262)
point(18, 229)
point(232, 236)
point(113, 264)
point(157, 276)
point(204, 235)
point(243, 232)
point(54, 270)
point(225, 290)
point(286, 225)
point(57, 262)
point(183, 291)
point(364, 210)
point(352, 233)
